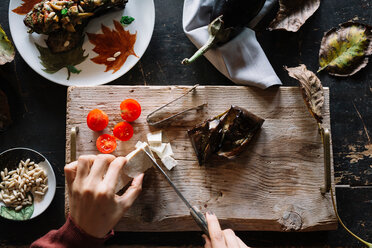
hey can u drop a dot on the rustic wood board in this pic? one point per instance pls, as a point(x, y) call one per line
point(278, 176)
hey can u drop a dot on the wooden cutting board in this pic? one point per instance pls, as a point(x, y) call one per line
point(273, 185)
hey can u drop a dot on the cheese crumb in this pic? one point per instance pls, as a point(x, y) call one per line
point(169, 162)
point(155, 138)
point(168, 150)
point(138, 144)
point(159, 149)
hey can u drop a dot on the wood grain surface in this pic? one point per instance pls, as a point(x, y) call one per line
point(274, 185)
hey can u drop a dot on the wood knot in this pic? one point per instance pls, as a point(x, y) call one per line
point(291, 221)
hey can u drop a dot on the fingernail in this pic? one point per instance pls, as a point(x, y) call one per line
point(210, 213)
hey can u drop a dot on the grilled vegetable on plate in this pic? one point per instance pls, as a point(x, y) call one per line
point(64, 20)
point(58, 49)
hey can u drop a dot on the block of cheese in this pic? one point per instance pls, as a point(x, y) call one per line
point(138, 144)
point(168, 150)
point(154, 138)
point(169, 162)
point(159, 149)
point(122, 181)
point(138, 162)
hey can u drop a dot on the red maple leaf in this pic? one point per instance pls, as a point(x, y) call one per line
point(113, 46)
point(25, 7)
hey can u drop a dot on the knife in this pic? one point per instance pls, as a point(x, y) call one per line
point(194, 211)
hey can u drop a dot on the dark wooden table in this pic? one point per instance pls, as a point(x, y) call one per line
point(38, 111)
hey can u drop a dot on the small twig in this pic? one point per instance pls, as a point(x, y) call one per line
point(342, 224)
point(364, 125)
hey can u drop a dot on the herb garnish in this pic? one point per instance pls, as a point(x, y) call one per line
point(126, 20)
point(64, 11)
point(73, 69)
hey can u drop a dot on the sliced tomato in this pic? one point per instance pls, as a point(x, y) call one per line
point(97, 120)
point(130, 110)
point(106, 143)
point(123, 131)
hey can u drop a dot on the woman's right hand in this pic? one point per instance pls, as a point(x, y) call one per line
point(220, 238)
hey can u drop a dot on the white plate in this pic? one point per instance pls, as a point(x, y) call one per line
point(13, 156)
point(92, 74)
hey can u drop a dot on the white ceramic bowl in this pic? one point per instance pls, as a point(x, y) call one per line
point(11, 158)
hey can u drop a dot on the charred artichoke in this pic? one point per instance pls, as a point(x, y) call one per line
point(225, 135)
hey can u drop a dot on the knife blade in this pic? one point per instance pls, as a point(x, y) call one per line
point(194, 211)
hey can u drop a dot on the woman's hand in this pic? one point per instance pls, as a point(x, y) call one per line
point(91, 182)
point(220, 238)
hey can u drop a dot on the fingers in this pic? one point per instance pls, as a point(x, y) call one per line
point(70, 173)
point(215, 232)
point(99, 167)
point(132, 192)
point(114, 172)
point(208, 243)
point(241, 243)
point(230, 238)
point(219, 238)
point(83, 167)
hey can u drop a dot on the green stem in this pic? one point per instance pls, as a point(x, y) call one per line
point(342, 224)
point(68, 73)
point(321, 69)
point(201, 51)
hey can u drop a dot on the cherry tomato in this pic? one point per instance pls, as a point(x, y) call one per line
point(97, 120)
point(106, 143)
point(123, 131)
point(130, 110)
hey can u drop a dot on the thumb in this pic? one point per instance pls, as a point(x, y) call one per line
point(131, 194)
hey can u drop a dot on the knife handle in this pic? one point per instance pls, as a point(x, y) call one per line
point(199, 219)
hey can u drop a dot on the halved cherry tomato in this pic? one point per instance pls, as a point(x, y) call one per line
point(106, 143)
point(123, 131)
point(130, 110)
point(97, 120)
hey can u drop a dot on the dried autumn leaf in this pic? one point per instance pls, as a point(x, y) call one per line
point(54, 63)
point(113, 46)
point(25, 7)
point(293, 14)
point(7, 51)
point(312, 89)
point(344, 50)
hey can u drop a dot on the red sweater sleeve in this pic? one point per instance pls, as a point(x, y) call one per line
point(69, 235)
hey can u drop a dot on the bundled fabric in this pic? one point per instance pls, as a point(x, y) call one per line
point(241, 59)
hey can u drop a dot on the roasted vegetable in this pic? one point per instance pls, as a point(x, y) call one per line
point(225, 135)
point(227, 20)
point(64, 20)
point(205, 138)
